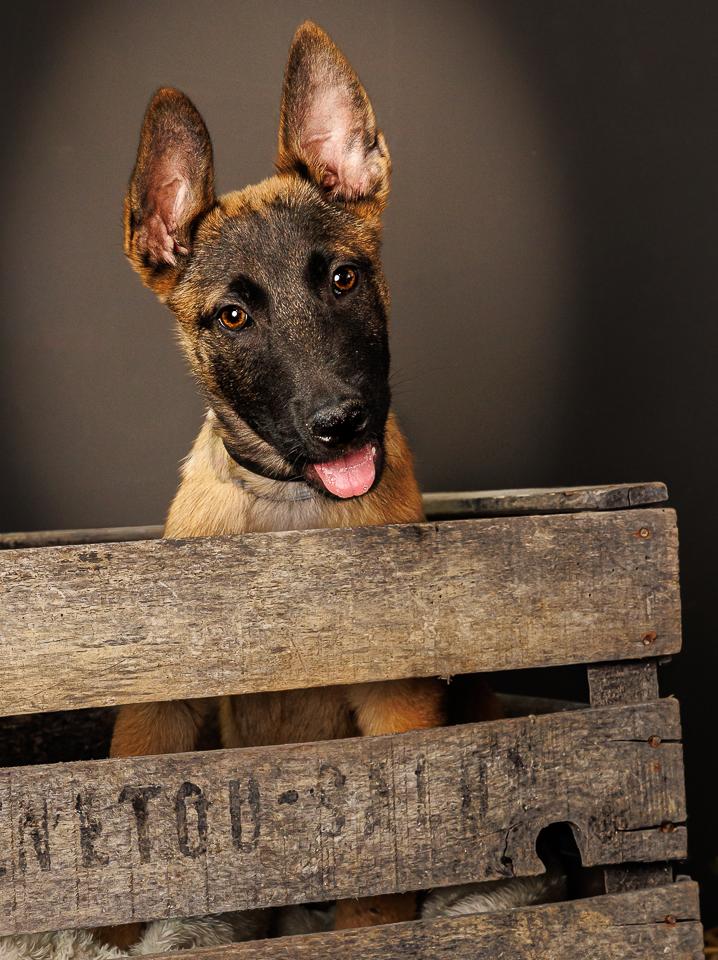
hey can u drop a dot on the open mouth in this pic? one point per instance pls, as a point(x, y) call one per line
point(350, 475)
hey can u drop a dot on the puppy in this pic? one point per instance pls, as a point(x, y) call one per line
point(282, 310)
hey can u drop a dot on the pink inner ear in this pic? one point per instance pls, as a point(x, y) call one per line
point(167, 199)
point(332, 137)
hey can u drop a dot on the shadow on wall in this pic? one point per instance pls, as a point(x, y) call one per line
point(550, 248)
point(631, 93)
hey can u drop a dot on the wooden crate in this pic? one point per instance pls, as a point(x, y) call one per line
point(533, 579)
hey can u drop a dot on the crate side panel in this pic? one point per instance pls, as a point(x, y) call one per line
point(141, 838)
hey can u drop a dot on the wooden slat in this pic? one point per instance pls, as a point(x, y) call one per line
point(520, 705)
point(642, 925)
point(62, 538)
point(495, 503)
point(470, 503)
point(116, 840)
point(623, 682)
point(627, 682)
point(636, 876)
point(169, 619)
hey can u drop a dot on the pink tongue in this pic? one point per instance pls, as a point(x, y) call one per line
point(348, 476)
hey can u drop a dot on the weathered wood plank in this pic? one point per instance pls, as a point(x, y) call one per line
point(636, 876)
point(485, 503)
point(610, 683)
point(519, 705)
point(62, 538)
point(663, 922)
point(116, 840)
point(628, 682)
point(169, 619)
point(495, 503)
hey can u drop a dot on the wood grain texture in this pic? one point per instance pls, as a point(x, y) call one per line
point(62, 538)
point(119, 840)
point(636, 876)
point(627, 682)
point(170, 619)
point(645, 925)
point(623, 682)
point(496, 503)
point(461, 504)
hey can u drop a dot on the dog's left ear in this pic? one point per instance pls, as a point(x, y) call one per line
point(171, 187)
point(327, 128)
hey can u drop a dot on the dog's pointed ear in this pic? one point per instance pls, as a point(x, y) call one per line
point(327, 128)
point(172, 185)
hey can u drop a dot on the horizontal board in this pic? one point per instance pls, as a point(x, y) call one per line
point(112, 841)
point(623, 682)
point(469, 503)
point(496, 503)
point(62, 538)
point(170, 619)
point(640, 925)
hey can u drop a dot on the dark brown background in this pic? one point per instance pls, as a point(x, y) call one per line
point(551, 247)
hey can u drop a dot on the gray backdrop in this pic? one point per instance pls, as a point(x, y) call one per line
point(550, 246)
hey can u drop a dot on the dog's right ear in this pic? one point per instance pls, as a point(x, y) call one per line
point(327, 127)
point(172, 185)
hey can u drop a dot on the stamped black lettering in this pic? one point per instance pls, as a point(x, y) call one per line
point(241, 830)
point(90, 831)
point(140, 797)
point(474, 790)
point(332, 783)
point(421, 790)
point(379, 796)
point(189, 794)
point(36, 826)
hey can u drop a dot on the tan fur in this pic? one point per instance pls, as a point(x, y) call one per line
point(218, 497)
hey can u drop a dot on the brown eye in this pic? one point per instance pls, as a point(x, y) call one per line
point(344, 279)
point(233, 318)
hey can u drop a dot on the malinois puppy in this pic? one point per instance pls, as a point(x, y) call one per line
point(282, 310)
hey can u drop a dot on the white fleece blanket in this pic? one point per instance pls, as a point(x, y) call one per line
point(165, 936)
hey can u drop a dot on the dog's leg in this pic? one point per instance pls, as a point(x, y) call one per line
point(396, 706)
point(392, 707)
point(146, 729)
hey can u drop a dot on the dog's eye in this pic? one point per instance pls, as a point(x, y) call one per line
point(344, 279)
point(234, 318)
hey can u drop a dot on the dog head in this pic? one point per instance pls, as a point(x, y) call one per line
point(278, 288)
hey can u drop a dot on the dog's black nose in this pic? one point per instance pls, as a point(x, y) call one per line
point(339, 423)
